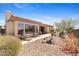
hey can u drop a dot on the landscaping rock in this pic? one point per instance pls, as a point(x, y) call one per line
point(37, 48)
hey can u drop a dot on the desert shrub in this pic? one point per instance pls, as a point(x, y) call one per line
point(52, 32)
point(72, 44)
point(9, 45)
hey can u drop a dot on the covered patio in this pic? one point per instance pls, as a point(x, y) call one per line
point(25, 27)
point(30, 30)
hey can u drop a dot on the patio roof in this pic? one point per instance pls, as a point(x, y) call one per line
point(15, 18)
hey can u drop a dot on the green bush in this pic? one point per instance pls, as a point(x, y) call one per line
point(9, 45)
point(52, 32)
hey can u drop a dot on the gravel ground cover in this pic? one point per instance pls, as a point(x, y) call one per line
point(37, 48)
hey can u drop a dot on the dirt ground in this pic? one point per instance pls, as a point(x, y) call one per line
point(37, 48)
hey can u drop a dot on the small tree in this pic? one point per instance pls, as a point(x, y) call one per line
point(66, 25)
point(52, 32)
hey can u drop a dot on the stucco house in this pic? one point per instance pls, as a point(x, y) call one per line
point(16, 25)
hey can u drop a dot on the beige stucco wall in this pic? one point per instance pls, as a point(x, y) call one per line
point(9, 25)
point(15, 28)
point(10, 28)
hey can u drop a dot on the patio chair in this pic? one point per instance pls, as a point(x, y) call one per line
point(21, 36)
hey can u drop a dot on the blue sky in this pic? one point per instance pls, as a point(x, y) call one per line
point(44, 12)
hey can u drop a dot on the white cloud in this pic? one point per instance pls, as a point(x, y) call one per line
point(18, 6)
point(23, 6)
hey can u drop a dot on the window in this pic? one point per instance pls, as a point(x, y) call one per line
point(26, 28)
point(29, 28)
point(20, 28)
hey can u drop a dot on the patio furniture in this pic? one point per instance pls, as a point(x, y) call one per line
point(21, 36)
point(35, 34)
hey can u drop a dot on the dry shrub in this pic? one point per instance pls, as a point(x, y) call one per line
point(9, 45)
point(71, 43)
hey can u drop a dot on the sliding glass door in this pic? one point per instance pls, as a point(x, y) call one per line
point(29, 28)
point(20, 28)
point(24, 29)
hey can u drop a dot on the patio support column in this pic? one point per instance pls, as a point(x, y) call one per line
point(35, 31)
point(48, 29)
point(24, 30)
point(16, 29)
point(38, 28)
